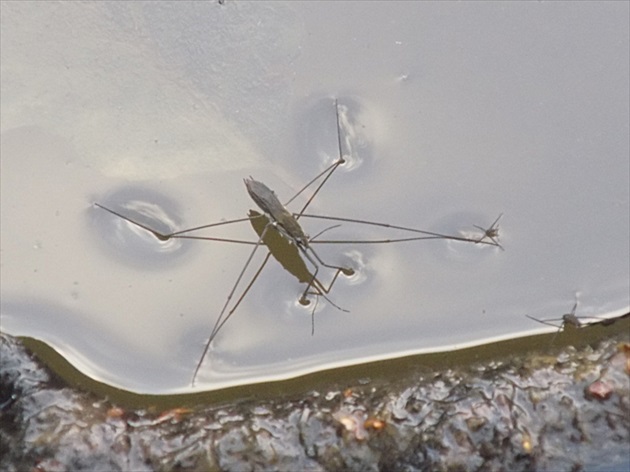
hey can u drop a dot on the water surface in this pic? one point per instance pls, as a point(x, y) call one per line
point(451, 115)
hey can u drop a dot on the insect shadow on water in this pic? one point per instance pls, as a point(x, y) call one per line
point(571, 320)
point(277, 224)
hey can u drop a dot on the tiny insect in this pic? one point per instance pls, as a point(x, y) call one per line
point(491, 233)
point(569, 319)
point(279, 223)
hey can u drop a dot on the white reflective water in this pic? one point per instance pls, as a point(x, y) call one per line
point(452, 114)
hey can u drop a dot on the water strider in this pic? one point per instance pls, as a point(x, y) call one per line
point(492, 232)
point(287, 224)
point(278, 219)
point(570, 319)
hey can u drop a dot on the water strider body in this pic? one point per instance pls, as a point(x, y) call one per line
point(287, 225)
point(268, 202)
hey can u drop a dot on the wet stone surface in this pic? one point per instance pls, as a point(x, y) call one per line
point(570, 411)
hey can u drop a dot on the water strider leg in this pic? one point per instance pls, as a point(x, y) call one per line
point(179, 234)
point(429, 234)
point(220, 321)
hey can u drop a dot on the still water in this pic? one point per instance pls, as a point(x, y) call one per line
point(451, 115)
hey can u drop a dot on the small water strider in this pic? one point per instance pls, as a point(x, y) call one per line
point(492, 232)
point(570, 319)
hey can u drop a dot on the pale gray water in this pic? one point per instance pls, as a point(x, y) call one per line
point(453, 114)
